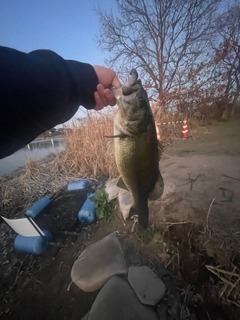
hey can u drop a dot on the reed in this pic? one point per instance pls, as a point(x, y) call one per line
point(87, 145)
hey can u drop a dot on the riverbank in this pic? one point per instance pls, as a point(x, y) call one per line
point(35, 150)
point(45, 138)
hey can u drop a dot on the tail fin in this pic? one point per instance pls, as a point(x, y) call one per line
point(142, 213)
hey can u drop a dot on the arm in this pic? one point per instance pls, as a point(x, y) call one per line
point(38, 91)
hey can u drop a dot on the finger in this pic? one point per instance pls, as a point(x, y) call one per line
point(109, 96)
point(116, 82)
point(100, 90)
point(99, 104)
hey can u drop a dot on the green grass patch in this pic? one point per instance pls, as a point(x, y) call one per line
point(145, 236)
point(104, 209)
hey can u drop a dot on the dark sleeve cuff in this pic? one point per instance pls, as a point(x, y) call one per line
point(84, 82)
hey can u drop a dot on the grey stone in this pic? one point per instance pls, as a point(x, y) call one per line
point(146, 284)
point(117, 301)
point(125, 203)
point(124, 197)
point(98, 263)
point(111, 189)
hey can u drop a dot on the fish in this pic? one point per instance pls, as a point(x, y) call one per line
point(135, 146)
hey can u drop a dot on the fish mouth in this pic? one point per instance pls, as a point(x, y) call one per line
point(132, 84)
point(127, 91)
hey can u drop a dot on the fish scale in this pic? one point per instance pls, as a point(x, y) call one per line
point(136, 146)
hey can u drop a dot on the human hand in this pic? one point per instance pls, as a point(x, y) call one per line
point(104, 96)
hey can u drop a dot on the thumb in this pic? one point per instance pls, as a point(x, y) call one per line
point(116, 82)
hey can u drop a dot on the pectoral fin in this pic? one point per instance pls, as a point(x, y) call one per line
point(158, 189)
point(110, 149)
point(121, 135)
point(121, 184)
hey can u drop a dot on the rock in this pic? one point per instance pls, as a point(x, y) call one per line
point(111, 189)
point(117, 301)
point(125, 203)
point(146, 284)
point(124, 197)
point(98, 263)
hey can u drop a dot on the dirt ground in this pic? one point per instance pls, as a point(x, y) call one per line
point(195, 224)
point(198, 170)
point(200, 212)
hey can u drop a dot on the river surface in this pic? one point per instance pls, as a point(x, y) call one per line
point(35, 150)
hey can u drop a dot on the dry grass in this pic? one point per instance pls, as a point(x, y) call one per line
point(37, 180)
point(230, 280)
point(179, 256)
point(201, 242)
point(86, 148)
point(85, 157)
point(168, 132)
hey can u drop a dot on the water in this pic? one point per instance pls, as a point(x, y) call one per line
point(38, 150)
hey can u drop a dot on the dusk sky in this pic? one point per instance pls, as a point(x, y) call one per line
point(67, 27)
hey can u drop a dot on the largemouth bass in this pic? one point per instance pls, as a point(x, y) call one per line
point(136, 147)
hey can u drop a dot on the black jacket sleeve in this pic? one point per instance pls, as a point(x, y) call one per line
point(38, 91)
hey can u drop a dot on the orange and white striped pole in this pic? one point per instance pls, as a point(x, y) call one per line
point(158, 132)
point(185, 129)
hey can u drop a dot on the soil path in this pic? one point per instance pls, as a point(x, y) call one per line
point(198, 170)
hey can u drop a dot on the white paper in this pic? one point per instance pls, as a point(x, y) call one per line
point(23, 226)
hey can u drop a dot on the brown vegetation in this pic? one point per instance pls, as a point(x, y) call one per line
point(85, 157)
point(186, 52)
point(86, 147)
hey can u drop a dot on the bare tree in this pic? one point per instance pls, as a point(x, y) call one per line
point(167, 40)
point(227, 54)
